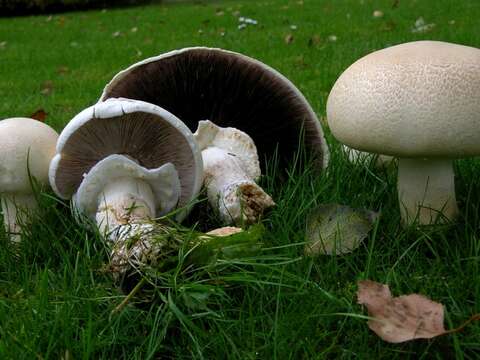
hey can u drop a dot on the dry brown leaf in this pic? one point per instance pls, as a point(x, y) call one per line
point(314, 40)
point(39, 115)
point(288, 39)
point(403, 318)
point(47, 88)
point(62, 70)
point(225, 231)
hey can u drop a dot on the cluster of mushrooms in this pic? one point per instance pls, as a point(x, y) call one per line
point(200, 117)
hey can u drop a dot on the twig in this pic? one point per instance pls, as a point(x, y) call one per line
point(127, 299)
point(475, 317)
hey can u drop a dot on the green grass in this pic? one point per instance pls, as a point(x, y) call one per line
point(56, 300)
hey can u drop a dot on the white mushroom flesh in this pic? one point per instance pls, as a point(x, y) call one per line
point(426, 190)
point(15, 209)
point(231, 167)
point(120, 194)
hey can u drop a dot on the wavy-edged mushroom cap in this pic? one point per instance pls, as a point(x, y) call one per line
point(231, 90)
point(163, 182)
point(232, 140)
point(146, 133)
point(26, 148)
point(413, 100)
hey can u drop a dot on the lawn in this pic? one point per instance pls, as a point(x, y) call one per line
point(56, 299)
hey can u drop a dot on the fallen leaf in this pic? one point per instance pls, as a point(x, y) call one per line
point(39, 115)
point(314, 40)
point(334, 229)
point(288, 39)
point(422, 27)
point(403, 318)
point(224, 231)
point(62, 70)
point(332, 38)
point(47, 88)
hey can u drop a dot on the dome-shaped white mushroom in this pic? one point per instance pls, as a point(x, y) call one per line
point(419, 102)
point(27, 146)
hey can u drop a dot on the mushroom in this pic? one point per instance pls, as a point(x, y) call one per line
point(361, 157)
point(418, 102)
point(231, 168)
point(231, 90)
point(126, 162)
point(27, 146)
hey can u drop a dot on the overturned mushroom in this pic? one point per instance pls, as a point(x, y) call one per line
point(126, 162)
point(231, 90)
point(27, 146)
point(231, 168)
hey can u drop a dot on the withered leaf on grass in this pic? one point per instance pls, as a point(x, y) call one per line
point(288, 39)
point(403, 318)
point(334, 229)
point(39, 115)
point(46, 88)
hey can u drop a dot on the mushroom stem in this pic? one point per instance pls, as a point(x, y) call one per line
point(122, 203)
point(237, 196)
point(16, 208)
point(426, 190)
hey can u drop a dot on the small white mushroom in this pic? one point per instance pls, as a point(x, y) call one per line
point(418, 102)
point(27, 146)
point(231, 168)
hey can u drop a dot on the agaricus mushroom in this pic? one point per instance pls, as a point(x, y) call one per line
point(27, 146)
point(231, 90)
point(362, 157)
point(126, 162)
point(419, 102)
point(231, 168)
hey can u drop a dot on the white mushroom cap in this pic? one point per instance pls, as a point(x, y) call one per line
point(417, 99)
point(26, 147)
point(233, 141)
point(163, 181)
point(144, 132)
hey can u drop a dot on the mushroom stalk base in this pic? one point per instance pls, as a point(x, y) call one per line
point(122, 206)
point(426, 191)
point(237, 197)
point(16, 210)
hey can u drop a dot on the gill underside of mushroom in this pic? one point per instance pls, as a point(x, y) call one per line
point(238, 198)
point(426, 191)
point(16, 208)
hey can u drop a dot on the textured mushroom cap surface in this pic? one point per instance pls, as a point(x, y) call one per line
point(231, 90)
point(418, 99)
point(26, 148)
point(163, 181)
point(143, 132)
